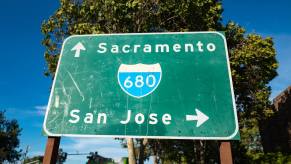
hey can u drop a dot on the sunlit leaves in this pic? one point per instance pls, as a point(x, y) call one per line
point(110, 16)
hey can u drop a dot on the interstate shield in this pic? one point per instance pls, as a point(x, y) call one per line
point(139, 80)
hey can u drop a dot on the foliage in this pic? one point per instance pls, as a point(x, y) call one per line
point(34, 159)
point(124, 16)
point(252, 61)
point(277, 158)
point(62, 156)
point(186, 151)
point(95, 158)
point(9, 133)
point(253, 65)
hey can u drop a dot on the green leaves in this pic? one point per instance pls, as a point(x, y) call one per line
point(125, 16)
point(253, 64)
point(9, 133)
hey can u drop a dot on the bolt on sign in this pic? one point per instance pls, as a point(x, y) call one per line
point(149, 85)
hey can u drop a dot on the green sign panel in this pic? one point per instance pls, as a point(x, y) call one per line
point(155, 85)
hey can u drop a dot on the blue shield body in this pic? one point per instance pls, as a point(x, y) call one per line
point(139, 80)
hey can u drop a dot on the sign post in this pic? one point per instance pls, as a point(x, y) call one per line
point(225, 153)
point(51, 150)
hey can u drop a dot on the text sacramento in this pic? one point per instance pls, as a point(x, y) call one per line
point(156, 48)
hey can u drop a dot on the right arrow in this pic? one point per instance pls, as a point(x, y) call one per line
point(200, 117)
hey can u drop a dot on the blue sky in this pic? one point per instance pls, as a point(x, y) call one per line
point(24, 90)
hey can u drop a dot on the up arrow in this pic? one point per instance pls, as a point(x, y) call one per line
point(200, 117)
point(77, 48)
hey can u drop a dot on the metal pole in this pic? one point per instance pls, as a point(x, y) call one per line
point(225, 153)
point(51, 150)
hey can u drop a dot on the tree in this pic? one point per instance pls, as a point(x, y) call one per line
point(125, 16)
point(95, 158)
point(252, 60)
point(9, 133)
point(62, 156)
point(35, 159)
point(253, 64)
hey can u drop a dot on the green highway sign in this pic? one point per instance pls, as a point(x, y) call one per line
point(147, 85)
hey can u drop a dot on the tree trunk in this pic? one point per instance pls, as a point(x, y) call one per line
point(131, 151)
point(156, 161)
point(199, 150)
point(155, 152)
point(141, 151)
point(202, 152)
